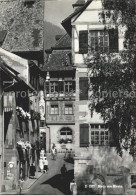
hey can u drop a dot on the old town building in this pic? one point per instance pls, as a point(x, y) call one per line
point(96, 161)
point(59, 92)
point(21, 33)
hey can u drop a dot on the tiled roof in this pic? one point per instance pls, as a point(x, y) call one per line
point(24, 25)
point(64, 42)
point(59, 60)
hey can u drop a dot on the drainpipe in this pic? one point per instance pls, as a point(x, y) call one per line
point(1, 134)
point(45, 114)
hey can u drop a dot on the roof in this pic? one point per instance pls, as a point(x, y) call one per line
point(8, 71)
point(59, 60)
point(79, 3)
point(63, 42)
point(24, 25)
point(2, 36)
point(67, 22)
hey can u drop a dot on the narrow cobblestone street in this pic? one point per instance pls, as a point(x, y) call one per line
point(52, 183)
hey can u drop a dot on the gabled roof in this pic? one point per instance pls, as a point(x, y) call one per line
point(63, 42)
point(67, 22)
point(60, 55)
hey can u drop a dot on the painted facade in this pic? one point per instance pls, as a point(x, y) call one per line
point(59, 94)
point(96, 163)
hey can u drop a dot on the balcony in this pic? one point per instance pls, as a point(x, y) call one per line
point(61, 95)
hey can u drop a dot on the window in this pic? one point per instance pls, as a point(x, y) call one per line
point(99, 135)
point(53, 87)
point(62, 87)
point(68, 86)
point(102, 40)
point(66, 133)
point(54, 109)
point(29, 3)
point(68, 109)
point(99, 41)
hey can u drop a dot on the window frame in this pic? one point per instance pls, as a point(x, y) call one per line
point(98, 39)
point(98, 136)
point(68, 109)
point(53, 106)
point(66, 130)
point(55, 85)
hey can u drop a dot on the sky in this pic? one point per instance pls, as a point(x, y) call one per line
point(57, 10)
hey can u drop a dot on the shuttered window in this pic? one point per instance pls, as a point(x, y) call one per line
point(113, 40)
point(83, 88)
point(84, 135)
point(83, 41)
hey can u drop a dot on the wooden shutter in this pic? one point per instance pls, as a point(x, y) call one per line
point(113, 40)
point(83, 41)
point(83, 88)
point(84, 135)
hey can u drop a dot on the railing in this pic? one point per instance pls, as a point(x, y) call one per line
point(61, 94)
point(60, 118)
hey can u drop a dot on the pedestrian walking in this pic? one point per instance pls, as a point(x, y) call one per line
point(73, 187)
point(41, 164)
point(63, 171)
point(45, 165)
point(32, 171)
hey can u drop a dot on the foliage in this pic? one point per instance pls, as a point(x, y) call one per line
point(113, 78)
point(65, 141)
point(122, 12)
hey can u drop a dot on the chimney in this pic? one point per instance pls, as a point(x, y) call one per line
point(78, 4)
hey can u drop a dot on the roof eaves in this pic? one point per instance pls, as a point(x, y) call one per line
point(9, 72)
point(68, 19)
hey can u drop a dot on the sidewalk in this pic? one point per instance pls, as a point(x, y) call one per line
point(27, 184)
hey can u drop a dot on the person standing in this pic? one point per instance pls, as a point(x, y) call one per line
point(53, 152)
point(21, 182)
point(32, 171)
point(73, 187)
point(63, 171)
point(41, 164)
point(45, 165)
